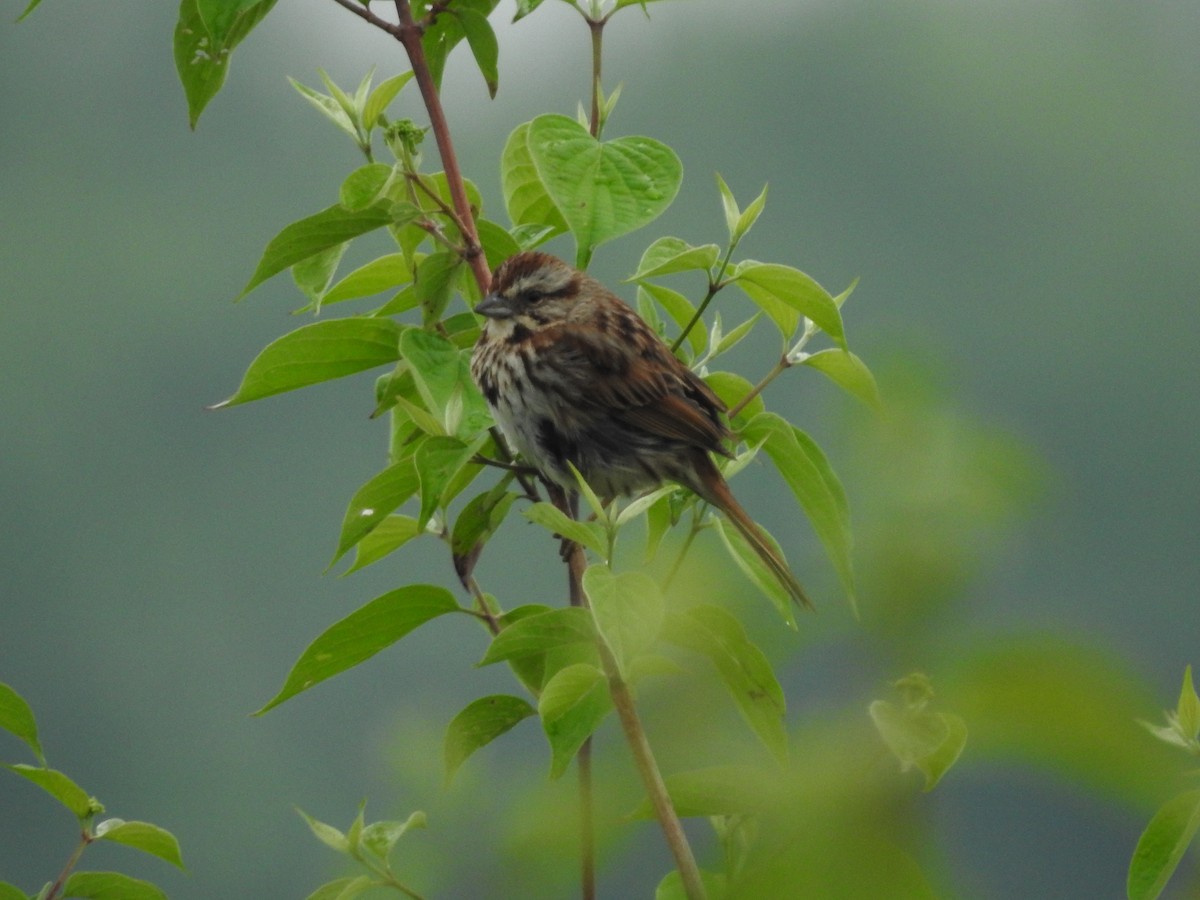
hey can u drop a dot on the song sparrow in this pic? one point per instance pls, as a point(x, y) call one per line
point(574, 375)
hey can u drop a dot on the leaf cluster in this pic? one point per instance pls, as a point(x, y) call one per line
point(16, 717)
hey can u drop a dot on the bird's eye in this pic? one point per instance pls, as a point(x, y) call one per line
point(533, 296)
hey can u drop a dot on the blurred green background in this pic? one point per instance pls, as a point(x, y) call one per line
point(1016, 183)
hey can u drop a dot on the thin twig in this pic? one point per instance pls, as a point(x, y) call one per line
point(597, 30)
point(780, 367)
point(364, 13)
point(409, 34)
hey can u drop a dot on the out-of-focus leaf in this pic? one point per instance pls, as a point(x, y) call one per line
point(753, 567)
point(344, 888)
point(1162, 845)
point(744, 670)
point(573, 704)
point(320, 351)
point(381, 837)
point(17, 718)
point(110, 886)
point(331, 837)
point(714, 791)
point(478, 724)
point(672, 887)
point(364, 633)
point(629, 610)
point(809, 475)
point(7, 891)
point(921, 738)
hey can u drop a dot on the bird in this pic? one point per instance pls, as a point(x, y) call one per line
point(575, 377)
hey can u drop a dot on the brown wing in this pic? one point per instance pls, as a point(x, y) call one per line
point(629, 372)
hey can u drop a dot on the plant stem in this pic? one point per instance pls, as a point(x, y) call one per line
point(409, 34)
point(84, 840)
point(780, 367)
point(652, 780)
point(597, 29)
point(715, 283)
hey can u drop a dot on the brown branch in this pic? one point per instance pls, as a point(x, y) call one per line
point(364, 13)
point(409, 34)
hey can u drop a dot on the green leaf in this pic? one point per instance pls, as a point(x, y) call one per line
point(364, 633)
point(498, 244)
point(16, 717)
point(540, 632)
point(603, 190)
point(328, 107)
point(58, 786)
point(554, 520)
point(672, 888)
point(847, 371)
point(313, 275)
point(382, 97)
point(328, 835)
point(33, 4)
point(443, 378)
point(753, 567)
point(435, 281)
point(918, 737)
point(726, 790)
point(681, 311)
point(807, 472)
point(478, 724)
point(383, 274)
point(751, 213)
point(629, 610)
point(734, 337)
point(142, 836)
point(1187, 710)
point(364, 186)
point(311, 235)
point(321, 351)
point(525, 196)
point(670, 254)
point(482, 41)
point(729, 206)
point(476, 523)
point(744, 669)
point(732, 389)
point(344, 888)
point(372, 503)
point(388, 536)
point(206, 33)
point(110, 886)
point(524, 8)
point(7, 891)
point(438, 460)
point(573, 704)
point(381, 837)
point(782, 291)
point(1162, 845)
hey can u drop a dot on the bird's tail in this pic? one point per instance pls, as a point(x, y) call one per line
point(715, 490)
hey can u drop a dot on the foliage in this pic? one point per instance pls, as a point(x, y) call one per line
point(17, 718)
point(644, 627)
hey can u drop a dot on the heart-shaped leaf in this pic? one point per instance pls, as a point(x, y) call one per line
point(603, 190)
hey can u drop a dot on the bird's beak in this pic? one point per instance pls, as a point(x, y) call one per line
point(495, 307)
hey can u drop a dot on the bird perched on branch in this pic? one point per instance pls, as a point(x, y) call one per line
point(573, 375)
